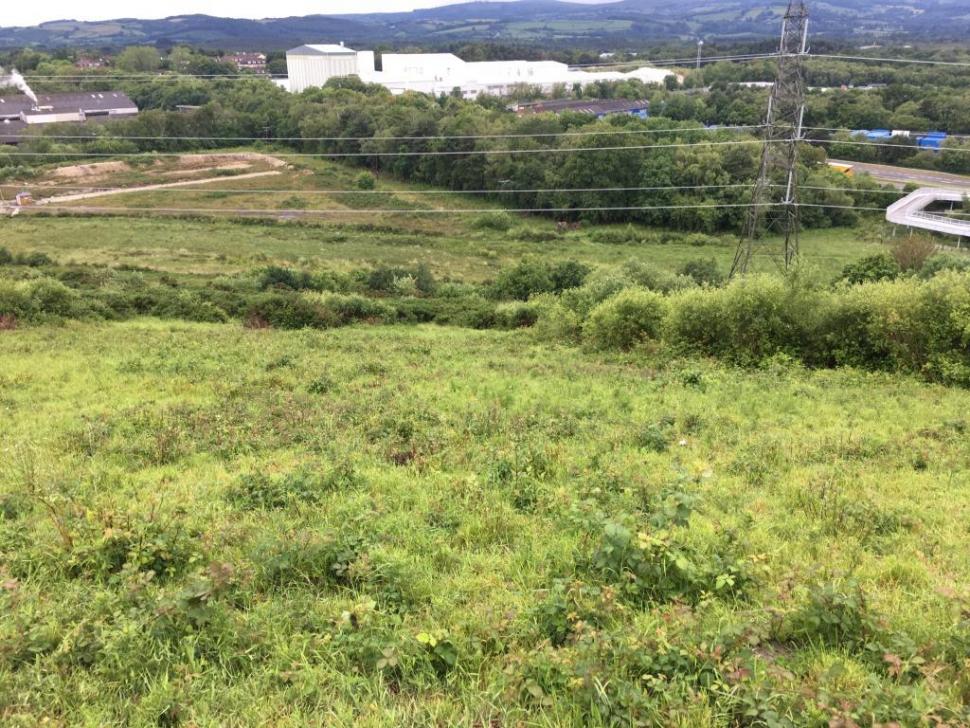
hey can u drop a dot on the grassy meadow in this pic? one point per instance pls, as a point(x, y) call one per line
point(244, 482)
point(452, 247)
point(207, 525)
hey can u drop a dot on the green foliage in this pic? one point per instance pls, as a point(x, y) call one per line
point(703, 272)
point(261, 491)
point(138, 59)
point(747, 321)
point(837, 616)
point(534, 276)
point(944, 262)
point(655, 565)
point(872, 268)
point(365, 181)
point(625, 320)
point(498, 221)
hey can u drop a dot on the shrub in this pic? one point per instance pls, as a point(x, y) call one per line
point(533, 276)
point(187, 305)
point(47, 297)
point(385, 279)
point(516, 315)
point(617, 236)
point(537, 235)
point(699, 240)
point(657, 566)
point(656, 280)
point(912, 252)
point(289, 311)
point(348, 309)
point(568, 274)
point(499, 221)
point(33, 260)
point(365, 181)
point(5, 256)
point(749, 320)
point(945, 262)
point(13, 299)
point(557, 322)
point(835, 616)
point(625, 320)
point(276, 277)
point(703, 272)
point(878, 267)
point(259, 491)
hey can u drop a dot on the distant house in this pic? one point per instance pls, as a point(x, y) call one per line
point(596, 107)
point(253, 62)
point(20, 113)
point(87, 63)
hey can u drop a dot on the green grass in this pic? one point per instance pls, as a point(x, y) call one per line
point(468, 471)
point(454, 248)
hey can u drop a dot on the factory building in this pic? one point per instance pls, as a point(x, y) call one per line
point(21, 112)
point(310, 66)
point(441, 73)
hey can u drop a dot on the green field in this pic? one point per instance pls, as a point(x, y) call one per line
point(204, 525)
point(245, 481)
point(453, 248)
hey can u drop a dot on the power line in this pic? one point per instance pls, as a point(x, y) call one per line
point(677, 61)
point(427, 211)
point(918, 61)
point(431, 153)
point(882, 144)
point(393, 211)
point(196, 189)
point(463, 137)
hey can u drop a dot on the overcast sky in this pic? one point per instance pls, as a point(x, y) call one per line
point(24, 12)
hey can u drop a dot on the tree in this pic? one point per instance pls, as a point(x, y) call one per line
point(138, 59)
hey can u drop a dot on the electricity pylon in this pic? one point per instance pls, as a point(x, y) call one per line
point(774, 204)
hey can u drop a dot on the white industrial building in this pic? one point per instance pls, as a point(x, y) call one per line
point(310, 66)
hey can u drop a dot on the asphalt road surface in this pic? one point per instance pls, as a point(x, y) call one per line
point(901, 176)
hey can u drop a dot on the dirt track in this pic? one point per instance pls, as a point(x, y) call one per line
point(60, 199)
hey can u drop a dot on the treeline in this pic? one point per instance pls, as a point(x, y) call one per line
point(908, 97)
point(472, 145)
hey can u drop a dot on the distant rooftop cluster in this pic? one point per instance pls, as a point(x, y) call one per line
point(310, 66)
point(20, 112)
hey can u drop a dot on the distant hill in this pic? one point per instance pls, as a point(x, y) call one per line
point(540, 21)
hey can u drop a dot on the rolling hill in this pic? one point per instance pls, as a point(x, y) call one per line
point(546, 21)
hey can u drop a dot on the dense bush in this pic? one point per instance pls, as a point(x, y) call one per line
point(625, 320)
point(500, 221)
point(942, 262)
point(703, 271)
point(533, 276)
point(878, 267)
point(911, 325)
point(747, 321)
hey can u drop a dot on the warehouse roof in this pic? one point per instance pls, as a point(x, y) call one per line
point(328, 49)
point(584, 106)
point(89, 102)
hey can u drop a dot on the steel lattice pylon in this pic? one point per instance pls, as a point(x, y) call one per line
point(774, 203)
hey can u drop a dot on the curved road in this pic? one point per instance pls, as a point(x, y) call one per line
point(902, 176)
